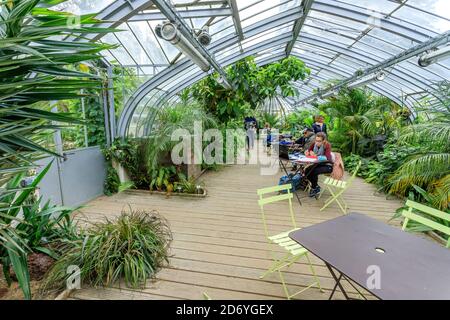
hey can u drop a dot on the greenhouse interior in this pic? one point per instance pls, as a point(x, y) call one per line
point(224, 149)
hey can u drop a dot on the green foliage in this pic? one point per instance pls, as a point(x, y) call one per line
point(30, 44)
point(27, 225)
point(164, 178)
point(299, 120)
point(272, 119)
point(362, 122)
point(188, 185)
point(112, 182)
point(430, 168)
point(252, 85)
point(125, 81)
point(132, 247)
point(37, 66)
point(182, 116)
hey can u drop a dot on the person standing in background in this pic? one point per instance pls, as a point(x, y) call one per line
point(251, 135)
point(319, 125)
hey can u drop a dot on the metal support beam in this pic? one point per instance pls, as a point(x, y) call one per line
point(298, 25)
point(236, 19)
point(441, 39)
point(112, 110)
point(169, 11)
point(185, 14)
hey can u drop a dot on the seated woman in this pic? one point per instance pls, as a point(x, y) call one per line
point(321, 147)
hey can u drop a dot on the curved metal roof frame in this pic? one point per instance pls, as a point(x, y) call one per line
point(332, 36)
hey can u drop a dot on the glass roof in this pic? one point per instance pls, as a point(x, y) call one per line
point(336, 39)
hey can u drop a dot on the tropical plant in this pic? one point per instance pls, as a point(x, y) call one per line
point(190, 186)
point(112, 181)
point(32, 226)
point(272, 119)
point(132, 247)
point(299, 120)
point(164, 178)
point(251, 86)
point(180, 117)
point(362, 122)
point(37, 66)
point(430, 168)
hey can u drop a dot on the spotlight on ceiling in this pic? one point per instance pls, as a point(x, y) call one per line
point(380, 76)
point(204, 37)
point(434, 56)
point(169, 32)
point(224, 83)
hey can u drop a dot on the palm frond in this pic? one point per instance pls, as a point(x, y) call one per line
point(421, 170)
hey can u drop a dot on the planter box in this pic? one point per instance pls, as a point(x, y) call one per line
point(164, 193)
point(177, 194)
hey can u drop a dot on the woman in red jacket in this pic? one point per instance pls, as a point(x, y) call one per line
point(321, 147)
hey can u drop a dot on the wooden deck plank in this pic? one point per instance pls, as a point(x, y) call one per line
point(219, 246)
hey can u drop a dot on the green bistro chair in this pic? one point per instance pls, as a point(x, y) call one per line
point(426, 218)
point(337, 189)
point(292, 250)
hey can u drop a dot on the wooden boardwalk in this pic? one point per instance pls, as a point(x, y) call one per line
point(219, 247)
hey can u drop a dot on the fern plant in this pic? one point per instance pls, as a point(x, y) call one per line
point(429, 169)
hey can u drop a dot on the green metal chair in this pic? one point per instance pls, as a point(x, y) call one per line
point(337, 189)
point(292, 250)
point(409, 215)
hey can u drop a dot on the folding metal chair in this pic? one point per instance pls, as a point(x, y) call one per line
point(292, 250)
point(337, 189)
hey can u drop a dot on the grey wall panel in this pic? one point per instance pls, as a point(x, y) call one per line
point(83, 176)
point(81, 179)
point(50, 188)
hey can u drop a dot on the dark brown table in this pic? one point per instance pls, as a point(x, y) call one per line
point(410, 267)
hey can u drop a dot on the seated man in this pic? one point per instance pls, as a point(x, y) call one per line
point(321, 147)
point(306, 140)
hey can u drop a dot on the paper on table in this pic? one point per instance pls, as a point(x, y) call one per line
point(302, 158)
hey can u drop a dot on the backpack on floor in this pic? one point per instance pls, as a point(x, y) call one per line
point(295, 180)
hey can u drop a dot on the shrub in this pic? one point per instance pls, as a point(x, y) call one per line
point(133, 248)
point(112, 182)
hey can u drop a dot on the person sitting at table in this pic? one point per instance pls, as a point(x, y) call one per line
point(321, 147)
point(306, 140)
point(319, 125)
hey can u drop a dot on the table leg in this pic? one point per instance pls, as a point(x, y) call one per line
point(290, 180)
point(335, 287)
point(338, 282)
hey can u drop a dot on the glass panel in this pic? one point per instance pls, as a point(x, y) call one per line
point(326, 35)
point(148, 41)
point(119, 53)
point(394, 39)
point(337, 21)
point(132, 45)
point(266, 35)
point(375, 5)
point(315, 50)
point(423, 19)
point(263, 10)
point(438, 7)
point(83, 6)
